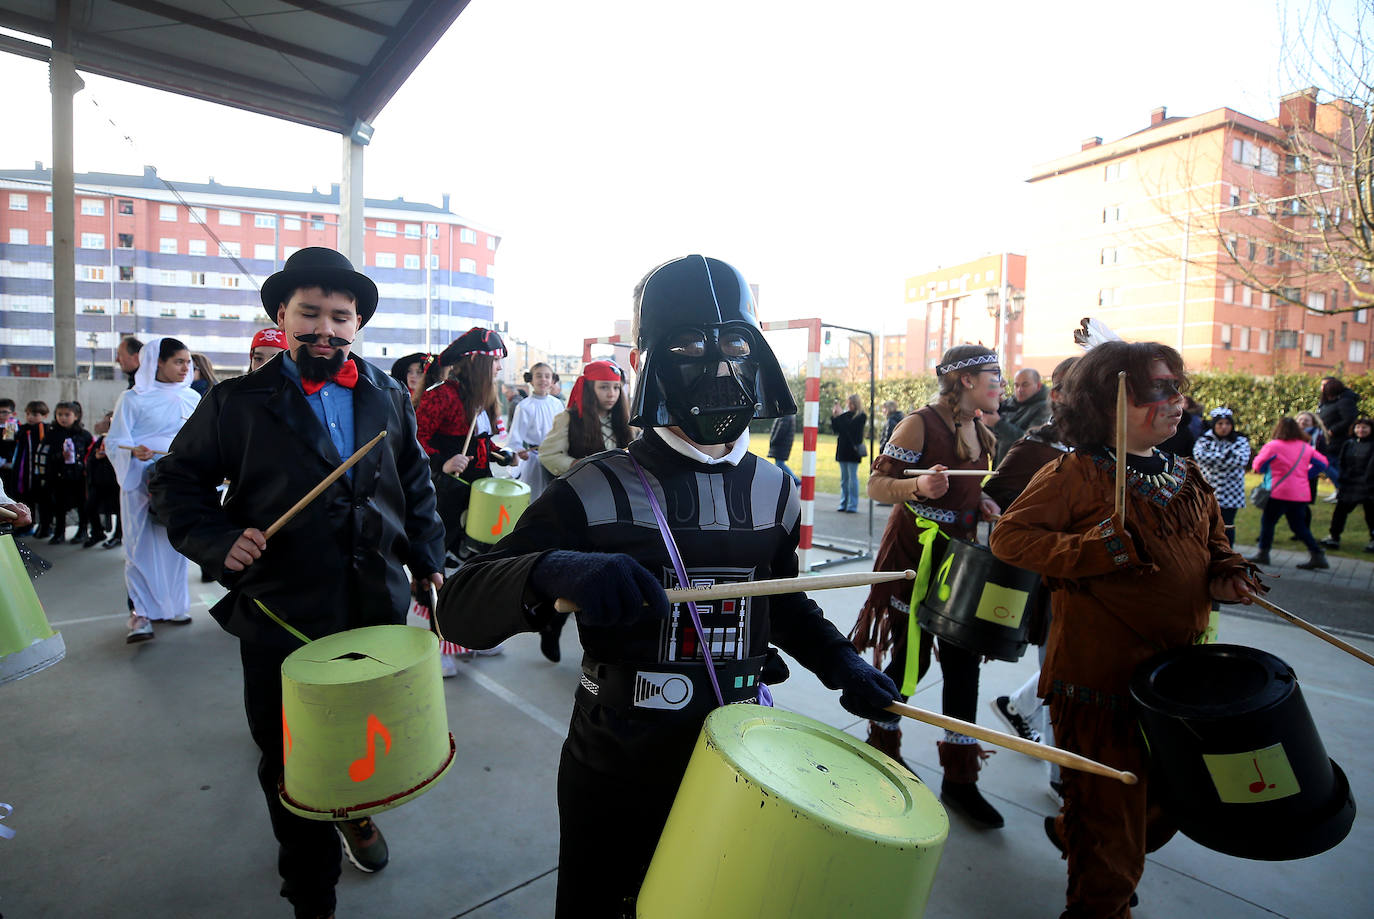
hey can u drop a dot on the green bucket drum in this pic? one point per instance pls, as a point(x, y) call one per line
point(364, 726)
point(782, 817)
point(494, 507)
point(27, 643)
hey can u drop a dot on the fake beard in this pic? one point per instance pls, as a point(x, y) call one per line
point(319, 369)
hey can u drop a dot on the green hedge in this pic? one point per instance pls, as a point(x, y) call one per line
point(1259, 402)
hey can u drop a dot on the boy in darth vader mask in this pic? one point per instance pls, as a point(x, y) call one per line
point(596, 537)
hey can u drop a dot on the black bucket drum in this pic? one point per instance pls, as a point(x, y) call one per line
point(1234, 755)
point(979, 603)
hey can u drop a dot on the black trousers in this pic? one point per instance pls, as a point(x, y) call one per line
point(959, 667)
point(1342, 511)
point(69, 496)
point(308, 851)
point(608, 829)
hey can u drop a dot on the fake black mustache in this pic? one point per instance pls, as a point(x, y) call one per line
point(333, 341)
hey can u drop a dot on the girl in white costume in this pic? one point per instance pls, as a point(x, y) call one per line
point(147, 418)
point(531, 423)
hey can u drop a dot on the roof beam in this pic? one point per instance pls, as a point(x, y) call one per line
point(342, 15)
point(410, 40)
point(247, 36)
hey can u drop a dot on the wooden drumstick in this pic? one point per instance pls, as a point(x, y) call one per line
point(1315, 630)
point(977, 472)
point(1050, 754)
point(7, 514)
point(131, 449)
point(330, 479)
point(1120, 490)
point(767, 588)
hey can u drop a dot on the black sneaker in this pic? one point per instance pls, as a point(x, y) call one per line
point(363, 843)
point(1331, 542)
point(1020, 726)
point(112, 542)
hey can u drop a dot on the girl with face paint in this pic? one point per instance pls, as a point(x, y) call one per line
point(1124, 589)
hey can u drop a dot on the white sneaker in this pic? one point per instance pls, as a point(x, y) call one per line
point(448, 665)
point(1330, 499)
point(490, 652)
point(140, 629)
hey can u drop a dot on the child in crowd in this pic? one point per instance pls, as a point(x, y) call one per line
point(66, 444)
point(1356, 465)
point(9, 429)
point(531, 423)
point(28, 466)
point(102, 493)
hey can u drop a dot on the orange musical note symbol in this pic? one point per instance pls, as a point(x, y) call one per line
point(1257, 787)
point(361, 769)
point(502, 518)
point(285, 736)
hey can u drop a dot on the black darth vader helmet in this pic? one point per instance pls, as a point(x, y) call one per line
point(704, 364)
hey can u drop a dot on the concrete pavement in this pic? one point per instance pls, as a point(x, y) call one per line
point(131, 777)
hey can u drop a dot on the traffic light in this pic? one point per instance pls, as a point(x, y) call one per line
point(827, 336)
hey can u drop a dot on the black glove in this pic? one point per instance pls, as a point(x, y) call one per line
point(864, 690)
point(612, 589)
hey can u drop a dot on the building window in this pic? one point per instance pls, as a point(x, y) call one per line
point(19, 236)
point(1285, 339)
point(126, 307)
point(1114, 213)
point(1235, 196)
point(230, 250)
point(1269, 255)
point(197, 279)
point(265, 221)
point(412, 262)
point(468, 236)
point(1243, 344)
point(1361, 316)
point(197, 314)
point(168, 312)
point(167, 277)
point(489, 271)
point(126, 272)
point(196, 247)
point(412, 231)
point(126, 207)
point(1226, 337)
point(1247, 295)
point(1356, 352)
point(126, 241)
point(19, 202)
point(1266, 301)
point(1262, 343)
point(48, 238)
point(1108, 296)
point(266, 252)
point(167, 213)
point(93, 272)
point(386, 230)
point(198, 214)
point(1228, 292)
point(1248, 153)
point(467, 265)
point(229, 218)
point(1109, 255)
point(1252, 250)
point(290, 223)
point(1316, 301)
point(1324, 175)
point(316, 222)
point(229, 280)
point(1345, 329)
point(1115, 172)
point(385, 259)
point(92, 307)
point(48, 204)
point(167, 246)
point(1312, 346)
point(434, 261)
point(92, 207)
point(93, 240)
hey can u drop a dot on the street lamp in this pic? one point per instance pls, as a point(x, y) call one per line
point(1005, 304)
point(93, 340)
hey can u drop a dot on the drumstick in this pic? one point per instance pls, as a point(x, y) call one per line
point(977, 472)
point(1315, 630)
point(330, 479)
point(767, 588)
point(1120, 491)
point(467, 440)
point(131, 449)
point(1050, 754)
point(7, 514)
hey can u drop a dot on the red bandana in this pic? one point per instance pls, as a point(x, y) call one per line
point(347, 376)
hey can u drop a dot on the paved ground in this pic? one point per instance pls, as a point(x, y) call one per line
point(130, 774)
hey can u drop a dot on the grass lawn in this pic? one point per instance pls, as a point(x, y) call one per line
point(827, 470)
point(1352, 540)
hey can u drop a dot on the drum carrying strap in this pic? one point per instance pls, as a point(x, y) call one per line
point(671, 545)
point(927, 531)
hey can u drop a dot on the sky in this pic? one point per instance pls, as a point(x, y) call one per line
point(829, 151)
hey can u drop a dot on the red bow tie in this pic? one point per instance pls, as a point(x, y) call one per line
point(347, 376)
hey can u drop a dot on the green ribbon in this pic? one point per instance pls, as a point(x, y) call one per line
point(927, 531)
point(273, 616)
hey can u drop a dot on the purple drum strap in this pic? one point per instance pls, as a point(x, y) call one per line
point(671, 545)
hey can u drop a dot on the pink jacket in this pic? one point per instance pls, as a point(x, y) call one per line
point(1281, 455)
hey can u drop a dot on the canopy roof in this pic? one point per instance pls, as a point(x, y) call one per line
point(327, 65)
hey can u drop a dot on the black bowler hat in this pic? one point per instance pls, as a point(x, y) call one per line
point(316, 266)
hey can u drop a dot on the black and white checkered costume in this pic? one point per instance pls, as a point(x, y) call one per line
point(1223, 461)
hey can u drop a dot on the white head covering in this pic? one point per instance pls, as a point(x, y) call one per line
point(145, 378)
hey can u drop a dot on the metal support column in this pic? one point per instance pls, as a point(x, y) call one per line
point(63, 84)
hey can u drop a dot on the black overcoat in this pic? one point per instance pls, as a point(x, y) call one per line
point(337, 564)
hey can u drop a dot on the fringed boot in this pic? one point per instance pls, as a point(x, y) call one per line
point(959, 790)
point(886, 737)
